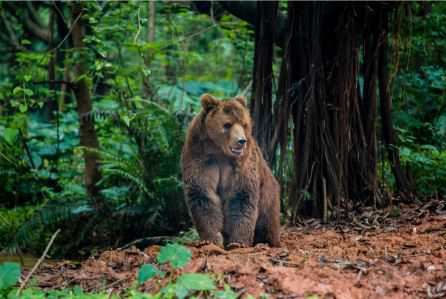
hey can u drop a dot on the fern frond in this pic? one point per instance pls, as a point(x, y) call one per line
point(139, 182)
point(116, 159)
point(52, 214)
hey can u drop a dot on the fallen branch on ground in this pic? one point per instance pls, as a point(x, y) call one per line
point(36, 266)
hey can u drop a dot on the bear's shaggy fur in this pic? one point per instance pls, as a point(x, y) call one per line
point(230, 192)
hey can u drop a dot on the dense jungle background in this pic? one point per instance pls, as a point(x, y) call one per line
point(348, 101)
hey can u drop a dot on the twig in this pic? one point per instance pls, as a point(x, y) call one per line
point(188, 37)
point(7, 159)
point(148, 241)
point(247, 88)
point(68, 34)
point(358, 278)
point(110, 285)
point(282, 262)
point(324, 193)
point(110, 293)
point(139, 28)
point(41, 259)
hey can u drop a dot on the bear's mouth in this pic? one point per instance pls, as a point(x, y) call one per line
point(237, 151)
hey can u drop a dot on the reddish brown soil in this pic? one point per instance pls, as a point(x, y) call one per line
point(373, 256)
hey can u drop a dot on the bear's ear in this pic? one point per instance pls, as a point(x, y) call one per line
point(241, 100)
point(208, 102)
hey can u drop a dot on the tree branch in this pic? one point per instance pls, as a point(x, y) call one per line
point(11, 38)
point(15, 47)
point(33, 28)
point(33, 13)
point(247, 11)
point(36, 30)
point(244, 10)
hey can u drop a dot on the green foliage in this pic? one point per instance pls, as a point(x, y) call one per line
point(11, 220)
point(185, 284)
point(9, 275)
point(227, 293)
point(196, 282)
point(182, 286)
point(176, 255)
point(188, 236)
point(420, 96)
point(33, 293)
point(148, 271)
point(76, 293)
point(428, 165)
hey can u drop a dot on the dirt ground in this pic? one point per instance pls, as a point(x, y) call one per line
point(374, 255)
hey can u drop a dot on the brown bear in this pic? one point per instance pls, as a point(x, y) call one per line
point(230, 192)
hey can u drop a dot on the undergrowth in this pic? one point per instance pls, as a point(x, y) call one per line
point(185, 285)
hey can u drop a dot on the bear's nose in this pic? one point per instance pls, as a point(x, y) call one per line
point(241, 141)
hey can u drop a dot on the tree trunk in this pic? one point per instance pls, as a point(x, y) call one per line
point(388, 133)
point(261, 102)
point(87, 129)
point(364, 152)
point(334, 128)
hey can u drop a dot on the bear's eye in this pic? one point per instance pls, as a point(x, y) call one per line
point(227, 125)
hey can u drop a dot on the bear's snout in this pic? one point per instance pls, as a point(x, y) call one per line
point(238, 140)
point(242, 141)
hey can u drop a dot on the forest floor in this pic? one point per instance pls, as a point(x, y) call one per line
point(374, 255)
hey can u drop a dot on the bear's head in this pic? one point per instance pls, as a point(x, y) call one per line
point(228, 124)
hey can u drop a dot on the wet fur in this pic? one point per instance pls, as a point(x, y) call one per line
point(231, 200)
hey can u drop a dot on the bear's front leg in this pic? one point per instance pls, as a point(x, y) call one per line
point(241, 213)
point(206, 212)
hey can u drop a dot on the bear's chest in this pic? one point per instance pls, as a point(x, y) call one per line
point(224, 175)
point(227, 181)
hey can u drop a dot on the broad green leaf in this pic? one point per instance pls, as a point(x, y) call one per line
point(23, 108)
point(28, 92)
point(196, 282)
point(228, 293)
point(16, 90)
point(10, 135)
point(36, 159)
point(148, 271)
point(147, 72)
point(9, 275)
point(126, 119)
point(180, 291)
point(177, 255)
